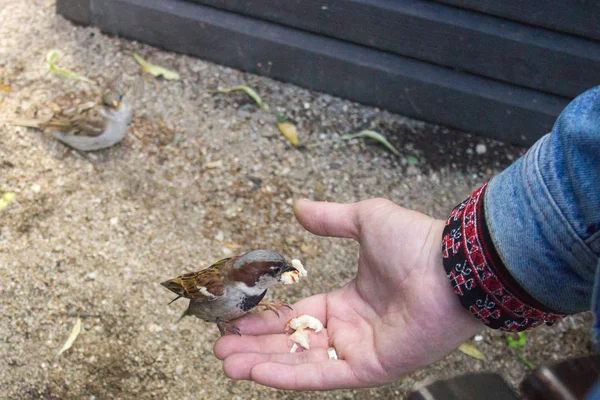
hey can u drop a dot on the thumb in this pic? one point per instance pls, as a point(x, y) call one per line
point(328, 219)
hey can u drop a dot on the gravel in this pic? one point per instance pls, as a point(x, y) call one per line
point(200, 176)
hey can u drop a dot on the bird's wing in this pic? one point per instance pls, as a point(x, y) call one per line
point(205, 285)
point(92, 123)
point(89, 119)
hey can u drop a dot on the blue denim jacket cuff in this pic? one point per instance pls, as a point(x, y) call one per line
point(535, 240)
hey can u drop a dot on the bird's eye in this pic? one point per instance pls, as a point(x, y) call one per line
point(274, 270)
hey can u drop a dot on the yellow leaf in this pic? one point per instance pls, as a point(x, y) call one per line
point(248, 90)
point(288, 130)
point(156, 70)
point(5, 88)
point(71, 339)
point(471, 351)
point(6, 199)
point(51, 58)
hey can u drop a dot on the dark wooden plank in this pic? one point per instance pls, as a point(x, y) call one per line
point(578, 17)
point(448, 36)
point(402, 85)
point(77, 11)
point(566, 380)
point(474, 386)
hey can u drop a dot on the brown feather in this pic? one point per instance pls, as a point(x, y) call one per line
point(251, 271)
point(89, 121)
point(200, 285)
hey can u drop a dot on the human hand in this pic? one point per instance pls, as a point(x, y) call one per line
point(397, 315)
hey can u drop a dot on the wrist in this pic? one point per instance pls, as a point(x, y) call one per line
point(469, 323)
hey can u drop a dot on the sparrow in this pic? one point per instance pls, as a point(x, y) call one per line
point(230, 287)
point(93, 126)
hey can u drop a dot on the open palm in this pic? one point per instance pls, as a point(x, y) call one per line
point(397, 315)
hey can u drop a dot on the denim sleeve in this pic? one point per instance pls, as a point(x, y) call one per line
point(543, 212)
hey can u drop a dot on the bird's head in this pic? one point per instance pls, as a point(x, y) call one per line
point(112, 99)
point(260, 269)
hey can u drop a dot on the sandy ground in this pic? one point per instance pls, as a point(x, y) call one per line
point(94, 235)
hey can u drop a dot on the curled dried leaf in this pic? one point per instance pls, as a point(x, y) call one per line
point(51, 59)
point(156, 70)
point(71, 339)
point(246, 89)
point(378, 137)
point(471, 351)
point(288, 130)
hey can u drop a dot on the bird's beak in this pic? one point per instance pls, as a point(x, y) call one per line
point(289, 268)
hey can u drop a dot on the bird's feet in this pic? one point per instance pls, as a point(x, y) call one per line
point(275, 307)
point(225, 327)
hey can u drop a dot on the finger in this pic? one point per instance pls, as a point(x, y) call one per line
point(239, 366)
point(324, 375)
point(279, 343)
point(327, 219)
point(268, 322)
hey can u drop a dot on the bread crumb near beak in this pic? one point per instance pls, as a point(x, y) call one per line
point(298, 265)
point(292, 277)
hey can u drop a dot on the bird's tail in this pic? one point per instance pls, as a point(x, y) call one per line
point(185, 314)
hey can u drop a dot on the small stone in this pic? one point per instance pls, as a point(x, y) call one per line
point(335, 165)
point(36, 188)
point(114, 221)
point(300, 174)
point(478, 338)
point(179, 369)
point(90, 276)
point(226, 251)
point(219, 236)
point(306, 105)
point(480, 148)
point(154, 328)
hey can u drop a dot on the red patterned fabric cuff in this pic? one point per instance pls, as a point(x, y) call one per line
point(479, 277)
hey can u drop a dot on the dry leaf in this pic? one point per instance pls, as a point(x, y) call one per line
point(5, 88)
point(471, 351)
point(51, 58)
point(375, 136)
point(248, 90)
point(288, 130)
point(71, 339)
point(156, 70)
point(214, 164)
point(6, 199)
